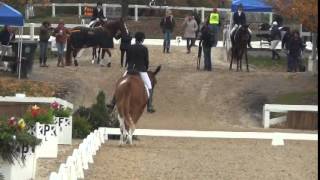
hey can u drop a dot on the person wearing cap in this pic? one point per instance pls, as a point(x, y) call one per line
point(214, 24)
point(167, 25)
point(239, 19)
point(97, 15)
point(275, 39)
point(61, 33)
point(138, 61)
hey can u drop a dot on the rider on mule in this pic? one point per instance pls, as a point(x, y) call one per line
point(138, 61)
point(239, 19)
point(97, 15)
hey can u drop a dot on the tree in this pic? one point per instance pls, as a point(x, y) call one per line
point(303, 11)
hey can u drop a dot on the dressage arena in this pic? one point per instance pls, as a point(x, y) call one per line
point(187, 99)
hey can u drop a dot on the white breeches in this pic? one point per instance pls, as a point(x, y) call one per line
point(146, 80)
point(95, 21)
point(274, 44)
point(236, 27)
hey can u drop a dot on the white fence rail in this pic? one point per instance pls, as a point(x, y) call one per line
point(134, 6)
point(268, 108)
point(23, 99)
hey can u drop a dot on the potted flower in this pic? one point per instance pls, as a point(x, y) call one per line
point(63, 119)
point(42, 121)
point(16, 149)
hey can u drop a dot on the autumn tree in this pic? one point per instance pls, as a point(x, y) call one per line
point(302, 11)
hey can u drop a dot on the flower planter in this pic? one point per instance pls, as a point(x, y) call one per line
point(48, 133)
point(64, 129)
point(18, 170)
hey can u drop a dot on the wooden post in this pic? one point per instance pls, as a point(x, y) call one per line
point(53, 10)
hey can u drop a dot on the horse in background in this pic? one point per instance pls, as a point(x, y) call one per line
point(131, 99)
point(84, 37)
point(101, 52)
point(239, 40)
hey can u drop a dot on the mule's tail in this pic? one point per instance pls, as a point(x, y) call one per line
point(68, 53)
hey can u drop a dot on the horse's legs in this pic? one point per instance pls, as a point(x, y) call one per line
point(231, 61)
point(75, 52)
point(246, 54)
point(122, 129)
point(99, 59)
point(94, 55)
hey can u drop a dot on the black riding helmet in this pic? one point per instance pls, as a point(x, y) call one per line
point(140, 36)
point(99, 3)
point(240, 7)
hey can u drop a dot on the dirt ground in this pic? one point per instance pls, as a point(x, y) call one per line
point(188, 99)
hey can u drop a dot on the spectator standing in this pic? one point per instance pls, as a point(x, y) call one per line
point(214, 24)
point(286, 39)
point(207, 43)
point(45, 30)
point(61, 34)
point(124, 46)
point(7, 35)
point(167, 25)
point(275, 39)
point(190, 28)
point(295, 47)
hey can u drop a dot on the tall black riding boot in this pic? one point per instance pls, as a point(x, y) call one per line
point(273, 55)
point(150, 108)
point(249, 42)
point(112, 104)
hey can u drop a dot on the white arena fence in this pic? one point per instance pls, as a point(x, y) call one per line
point(269, 108)
point(82, 156)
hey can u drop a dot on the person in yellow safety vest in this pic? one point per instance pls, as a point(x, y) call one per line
point(214, 24)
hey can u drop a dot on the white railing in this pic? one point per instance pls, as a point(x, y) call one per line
point(134, 6)
point(268, 108)
point(23, 99)
point(83, 156)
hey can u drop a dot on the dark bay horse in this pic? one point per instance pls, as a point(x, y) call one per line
point(101, 52)
point(239, 41)
point(84, 37)
point(131, 100)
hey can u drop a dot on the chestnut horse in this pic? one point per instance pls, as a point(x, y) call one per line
point(239, 40)
point(84, 37)
point(131, 99)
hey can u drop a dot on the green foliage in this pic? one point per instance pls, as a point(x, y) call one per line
point(88, 119)
point(13, 137)
point(44, 117)
point(98, 112)
point(62, 112)
point(81, 127)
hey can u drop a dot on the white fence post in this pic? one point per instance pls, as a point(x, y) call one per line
point(104, 10)
point(53, 10)
point(136, 13)
point(79, 10)
point(32, 31)
point(202, 14)
point(270, 18)
point(266, 117)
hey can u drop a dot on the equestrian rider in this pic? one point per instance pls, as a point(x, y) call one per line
point(138, 61)
point(97, 15)
point(239, 19)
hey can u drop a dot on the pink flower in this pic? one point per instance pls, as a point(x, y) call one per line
point(12, 122)
point(55, 105)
